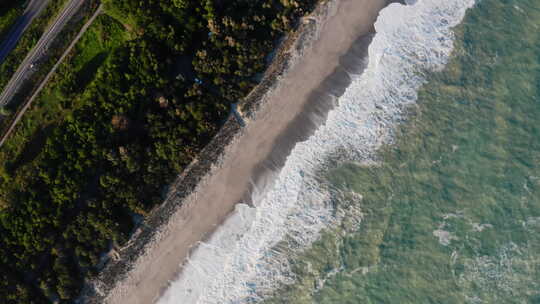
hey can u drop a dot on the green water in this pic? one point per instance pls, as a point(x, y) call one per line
point(452, 212)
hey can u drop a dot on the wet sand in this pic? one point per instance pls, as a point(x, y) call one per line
point(203, 211)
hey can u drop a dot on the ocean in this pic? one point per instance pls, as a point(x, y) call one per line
point(421, 186)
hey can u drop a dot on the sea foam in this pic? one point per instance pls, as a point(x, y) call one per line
point(248, 256)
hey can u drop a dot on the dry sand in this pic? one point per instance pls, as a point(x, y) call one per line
point(216, 198)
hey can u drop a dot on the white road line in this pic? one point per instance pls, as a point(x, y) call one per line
point(20, 74)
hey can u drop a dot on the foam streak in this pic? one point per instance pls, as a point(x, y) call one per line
point(248, 255)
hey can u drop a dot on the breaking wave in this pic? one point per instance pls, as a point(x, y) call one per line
point(249, 254)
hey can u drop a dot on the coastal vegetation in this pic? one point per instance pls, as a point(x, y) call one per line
point(145, 89)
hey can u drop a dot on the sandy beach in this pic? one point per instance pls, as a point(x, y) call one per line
point(203, 211)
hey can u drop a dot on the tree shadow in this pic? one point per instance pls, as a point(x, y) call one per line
point(87, 73)
point(32, 148)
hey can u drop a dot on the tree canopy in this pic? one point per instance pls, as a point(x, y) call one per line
point(149, 109)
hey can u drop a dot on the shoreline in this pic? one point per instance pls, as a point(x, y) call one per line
point(206, 193)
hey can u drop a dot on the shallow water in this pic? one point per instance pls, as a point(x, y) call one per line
point(451, 212)
point(421, 187)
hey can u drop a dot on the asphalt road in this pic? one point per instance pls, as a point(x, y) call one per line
point(27, 66)
point(32, 10)
point(21, 112)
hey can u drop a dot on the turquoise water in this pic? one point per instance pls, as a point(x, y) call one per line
point(451, 211)
point(421, 186)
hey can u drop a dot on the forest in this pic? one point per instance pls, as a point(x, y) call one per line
point(141, 118)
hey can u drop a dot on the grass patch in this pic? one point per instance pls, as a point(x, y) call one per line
point(61, 95)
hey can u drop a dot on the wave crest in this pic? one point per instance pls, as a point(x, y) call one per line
point(249, 254)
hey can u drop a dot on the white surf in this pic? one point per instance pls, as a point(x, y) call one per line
point(248, 255)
